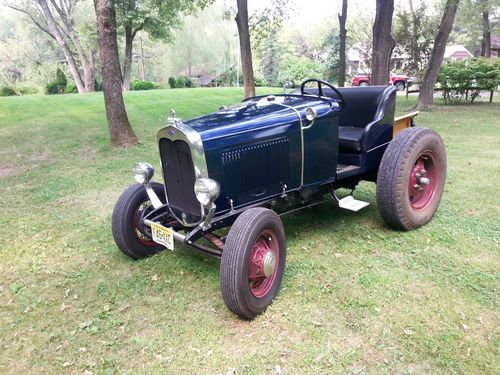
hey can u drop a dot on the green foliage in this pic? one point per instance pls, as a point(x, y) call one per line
point(268, 22)
point(28, 90)
point(7, 91)
point(414, 35)
point(180, 82)
point(459, 77)
point(143, 85)
point(98, 85)
point(172, 82)
point(59, 85)
point(157, 18)
point(271, 56)
point(229, 77)
point(71, 89)
point(331, 61)
point(296, 69)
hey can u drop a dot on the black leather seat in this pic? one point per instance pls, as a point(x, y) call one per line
point(367, 117)
point(350, 139)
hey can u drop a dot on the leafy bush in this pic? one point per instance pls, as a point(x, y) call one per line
point(71, 89)
point(59, 85)
point(172, 82)
point(143, 85)
point(462, 80)
point(180, 82)
point(97, 85)
point(296, 69)
point(260, 82)
point(28, 90)
point(7, 91)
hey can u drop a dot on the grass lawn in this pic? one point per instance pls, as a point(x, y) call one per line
point(356, 297)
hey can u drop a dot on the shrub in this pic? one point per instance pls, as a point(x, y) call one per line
point(172, 82)
point(28, 90)
point(97, 85)
point(143, 85)
point(59, 85)
point(7, 91)
point(463, 80)
point(71, 89)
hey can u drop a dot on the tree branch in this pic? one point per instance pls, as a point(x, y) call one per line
point(45, 30)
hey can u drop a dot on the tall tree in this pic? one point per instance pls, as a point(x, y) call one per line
point(426, 94)
point(486, 40)
point(155, 17)
point(56, 18)
point(383, 44)
point(414, 31)
point(120, 131)
point(245, 48)
point(342, 41)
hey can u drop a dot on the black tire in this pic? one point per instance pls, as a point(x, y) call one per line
point(400, 85)
point(250, 227)
point(363, 84)
point(399, 203)
point(129, 237)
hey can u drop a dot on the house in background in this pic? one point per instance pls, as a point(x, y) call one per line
point(457, 52)
point(495, 46)
point(357, 56)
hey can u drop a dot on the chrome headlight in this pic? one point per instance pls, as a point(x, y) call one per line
point(143, 172)
point(206, 190)
point(311, 114)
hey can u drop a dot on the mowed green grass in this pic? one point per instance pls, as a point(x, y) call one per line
point(356, 297)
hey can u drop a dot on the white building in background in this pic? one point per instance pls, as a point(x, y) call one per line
point(357, 55)
point(457, 52)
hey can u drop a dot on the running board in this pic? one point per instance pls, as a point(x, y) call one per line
point(349, 203)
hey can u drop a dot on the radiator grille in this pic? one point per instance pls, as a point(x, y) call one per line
point(178, 173)
point(254, 168)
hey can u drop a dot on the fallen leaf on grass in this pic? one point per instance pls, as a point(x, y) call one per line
point(408, 331)
point(154, 278)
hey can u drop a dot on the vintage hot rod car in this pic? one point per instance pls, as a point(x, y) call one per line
point(244, 166)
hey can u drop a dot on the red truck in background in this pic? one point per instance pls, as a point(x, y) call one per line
point(399, 81)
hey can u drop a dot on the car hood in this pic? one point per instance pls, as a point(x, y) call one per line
point(258, 113)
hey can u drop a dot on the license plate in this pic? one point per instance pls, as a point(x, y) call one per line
point(162, 235)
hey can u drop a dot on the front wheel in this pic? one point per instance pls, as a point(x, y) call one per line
point(131, 237)
point(411, 178)
point(253, 262)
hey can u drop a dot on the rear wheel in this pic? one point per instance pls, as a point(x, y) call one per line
point(400, 86)
point(130, 235)
point(411, 178)
point(253, 262)
point(363, 83)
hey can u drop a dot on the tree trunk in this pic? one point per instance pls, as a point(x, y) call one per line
point(383, 43)
point(426, 94)
point(56, 32)
point(486, 42)
point(120, 130)
point(127, 63)
point(142, 69)
point(85, 58)
point(245, 48)
point(342, 40)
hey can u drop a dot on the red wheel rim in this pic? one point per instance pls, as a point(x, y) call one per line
point(423, 181)
point(263, 263)
point(139, 234)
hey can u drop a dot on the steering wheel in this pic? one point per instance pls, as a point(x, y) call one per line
point(322, 83)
